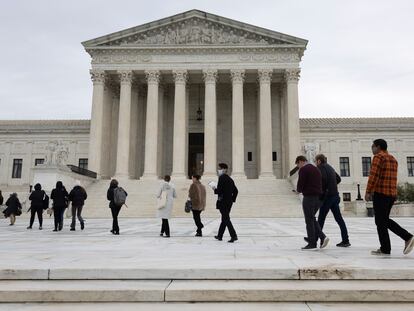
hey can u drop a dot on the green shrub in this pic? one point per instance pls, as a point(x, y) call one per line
point(405, 193)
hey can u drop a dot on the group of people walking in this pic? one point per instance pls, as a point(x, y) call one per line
point(318, 184)
point(39, 202)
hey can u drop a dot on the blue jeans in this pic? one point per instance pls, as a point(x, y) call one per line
point(332, 203)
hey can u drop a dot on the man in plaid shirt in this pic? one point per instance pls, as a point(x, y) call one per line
point(382, 190)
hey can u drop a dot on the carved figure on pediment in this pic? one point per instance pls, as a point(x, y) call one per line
point(171, 37)
point(206, 36)
point(195, 35)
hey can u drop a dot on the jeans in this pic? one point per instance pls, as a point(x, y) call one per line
point(332, 203)
point(165, 227)
point(76, 212)
point(115, 212)
point(310, 205)
point(58, 215)
point(382, 208)
point(33, 212)
point(225, 210)
point(197, 220)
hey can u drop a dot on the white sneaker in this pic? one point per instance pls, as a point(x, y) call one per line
point(409, 245)
point(325, 242)
point(378, 252)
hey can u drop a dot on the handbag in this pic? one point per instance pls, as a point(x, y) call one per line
point(188, 206)
point(162, 200)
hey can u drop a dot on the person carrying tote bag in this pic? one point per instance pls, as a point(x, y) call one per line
point(164, 211)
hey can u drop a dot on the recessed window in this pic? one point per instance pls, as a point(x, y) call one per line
point(39, 161)
point(346, 197)
point(83, 163)
point(366, 166)
point(344, 167)
point(250, 156)
point(17, 168)
point(410, 166)
point(274, 156)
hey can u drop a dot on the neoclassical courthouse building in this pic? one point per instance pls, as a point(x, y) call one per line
point(178, 95)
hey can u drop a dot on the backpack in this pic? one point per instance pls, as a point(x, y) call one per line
point(119, 196)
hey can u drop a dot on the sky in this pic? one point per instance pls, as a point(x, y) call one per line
point(359, 61)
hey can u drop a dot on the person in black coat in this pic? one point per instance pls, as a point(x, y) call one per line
point(59, 196)
point(39, 201)
point(1, 198)
point(77, 196)
point(14, 208)
point(227, 193)
point(115, 209)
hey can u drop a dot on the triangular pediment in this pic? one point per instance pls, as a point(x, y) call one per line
point(195, 28)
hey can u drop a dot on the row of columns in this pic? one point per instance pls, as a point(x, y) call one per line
point(180, 126)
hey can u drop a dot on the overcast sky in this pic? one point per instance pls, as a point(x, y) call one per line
point(359, 61)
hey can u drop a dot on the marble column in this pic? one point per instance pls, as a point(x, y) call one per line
point(265, 124)
point(210, 123)
point(180, 126)
point(151, 126)
point(237, 78)
point(95, 139)
point(292, 115)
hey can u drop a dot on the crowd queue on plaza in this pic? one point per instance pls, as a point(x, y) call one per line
point(317, 183)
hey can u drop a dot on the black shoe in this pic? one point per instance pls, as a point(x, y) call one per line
point(40, 228)
point(310, 248)
point(82, 225)
point(232, 240)
point(55, 230)
point(116, 233)
point(161, 234)
point(218, 238)
point(199, 234)
point(72, 229)
point(344, 244)
point(30, 227)
point(167, 236)
point(60, 228)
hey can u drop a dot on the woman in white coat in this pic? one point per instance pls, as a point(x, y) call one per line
point(166, 195)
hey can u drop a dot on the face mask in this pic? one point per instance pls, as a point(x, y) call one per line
point(220, 172)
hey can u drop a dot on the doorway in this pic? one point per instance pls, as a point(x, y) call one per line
point(195, 154)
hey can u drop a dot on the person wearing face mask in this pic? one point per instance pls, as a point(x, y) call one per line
point(227, 192)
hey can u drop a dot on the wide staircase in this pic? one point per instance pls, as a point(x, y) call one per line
point(257, 198)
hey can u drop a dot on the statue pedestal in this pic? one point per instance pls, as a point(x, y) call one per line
point(48, 175)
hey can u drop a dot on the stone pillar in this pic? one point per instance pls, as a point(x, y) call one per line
point(265, 125)
point(180, 125)
point(292, 115)
point(151, 126)
point(95, 139)
point(210, 123)
point(237, 78)
point(124, 125)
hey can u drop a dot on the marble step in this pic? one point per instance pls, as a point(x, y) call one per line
point(206, 291)
point(228, 306)
point(209, 272)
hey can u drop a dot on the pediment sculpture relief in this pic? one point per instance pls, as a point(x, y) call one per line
point(196, 32)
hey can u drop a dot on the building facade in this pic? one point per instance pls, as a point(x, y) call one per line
point(183, 93)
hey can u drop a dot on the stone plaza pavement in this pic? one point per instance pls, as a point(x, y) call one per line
point(268, 250)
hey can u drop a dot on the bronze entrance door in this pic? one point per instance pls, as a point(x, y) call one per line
point(195, 154)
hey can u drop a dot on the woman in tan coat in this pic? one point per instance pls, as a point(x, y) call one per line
point(197, 196)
